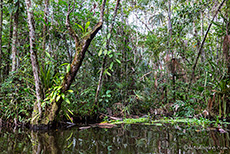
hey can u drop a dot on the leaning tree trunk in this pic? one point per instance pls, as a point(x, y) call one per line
point(37, 111)
point(81, 47)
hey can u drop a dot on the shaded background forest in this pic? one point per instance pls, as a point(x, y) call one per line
point(148, 59)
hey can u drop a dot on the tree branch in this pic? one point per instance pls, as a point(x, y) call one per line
point(71, 30)
point(144, 24)
point(102, 11)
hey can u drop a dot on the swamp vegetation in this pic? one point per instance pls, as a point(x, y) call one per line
point(80, 61)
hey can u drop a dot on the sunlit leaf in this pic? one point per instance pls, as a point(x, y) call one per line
point(100, 52)
point(68, 68)
point(118, 61)
point(67, 100)
point(87, 25)
point(80, 26)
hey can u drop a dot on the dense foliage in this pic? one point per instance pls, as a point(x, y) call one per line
point(143, 59)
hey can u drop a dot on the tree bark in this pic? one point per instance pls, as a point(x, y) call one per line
point(15, 38)
point(170, 50)
point(37, 111)
point(45, 27)
point(7, 68)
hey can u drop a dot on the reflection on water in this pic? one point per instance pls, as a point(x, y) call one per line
point(124, 139)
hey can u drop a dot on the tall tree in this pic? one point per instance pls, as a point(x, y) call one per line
point(37, 111)
point(15, 37)
point(45, 26)
point(7, 68)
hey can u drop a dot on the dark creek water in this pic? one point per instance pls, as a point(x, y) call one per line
point(123, 139)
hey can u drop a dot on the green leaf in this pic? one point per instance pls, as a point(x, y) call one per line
point(105, 52)
point(100, 52)
point(58, 97)
point(64, 64)
point(48, 55)
point(118, 61)
point(80, 26)
point(104, 44)
point(68, 68)
point(70, 111)
point(109, 52)
point(87, 25)
point(67, 100)
point(111, 66)
point(63, 96)
point(69, 117)
point(54, 95)
point(108, 36)
point(71, 91)
point(108, 73)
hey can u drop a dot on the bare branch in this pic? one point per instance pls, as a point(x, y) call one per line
point(144, 24)
point(114, 17)
point(71, 30)
point(141, 78)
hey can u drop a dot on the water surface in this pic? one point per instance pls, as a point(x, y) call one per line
point(123, 139)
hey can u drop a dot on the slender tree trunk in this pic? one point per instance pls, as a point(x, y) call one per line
point(7, 69)
point(37, 111)
point(169, 28)
point(15, 38)
point(45, 27)
point(105, 57)
point(170, 50)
